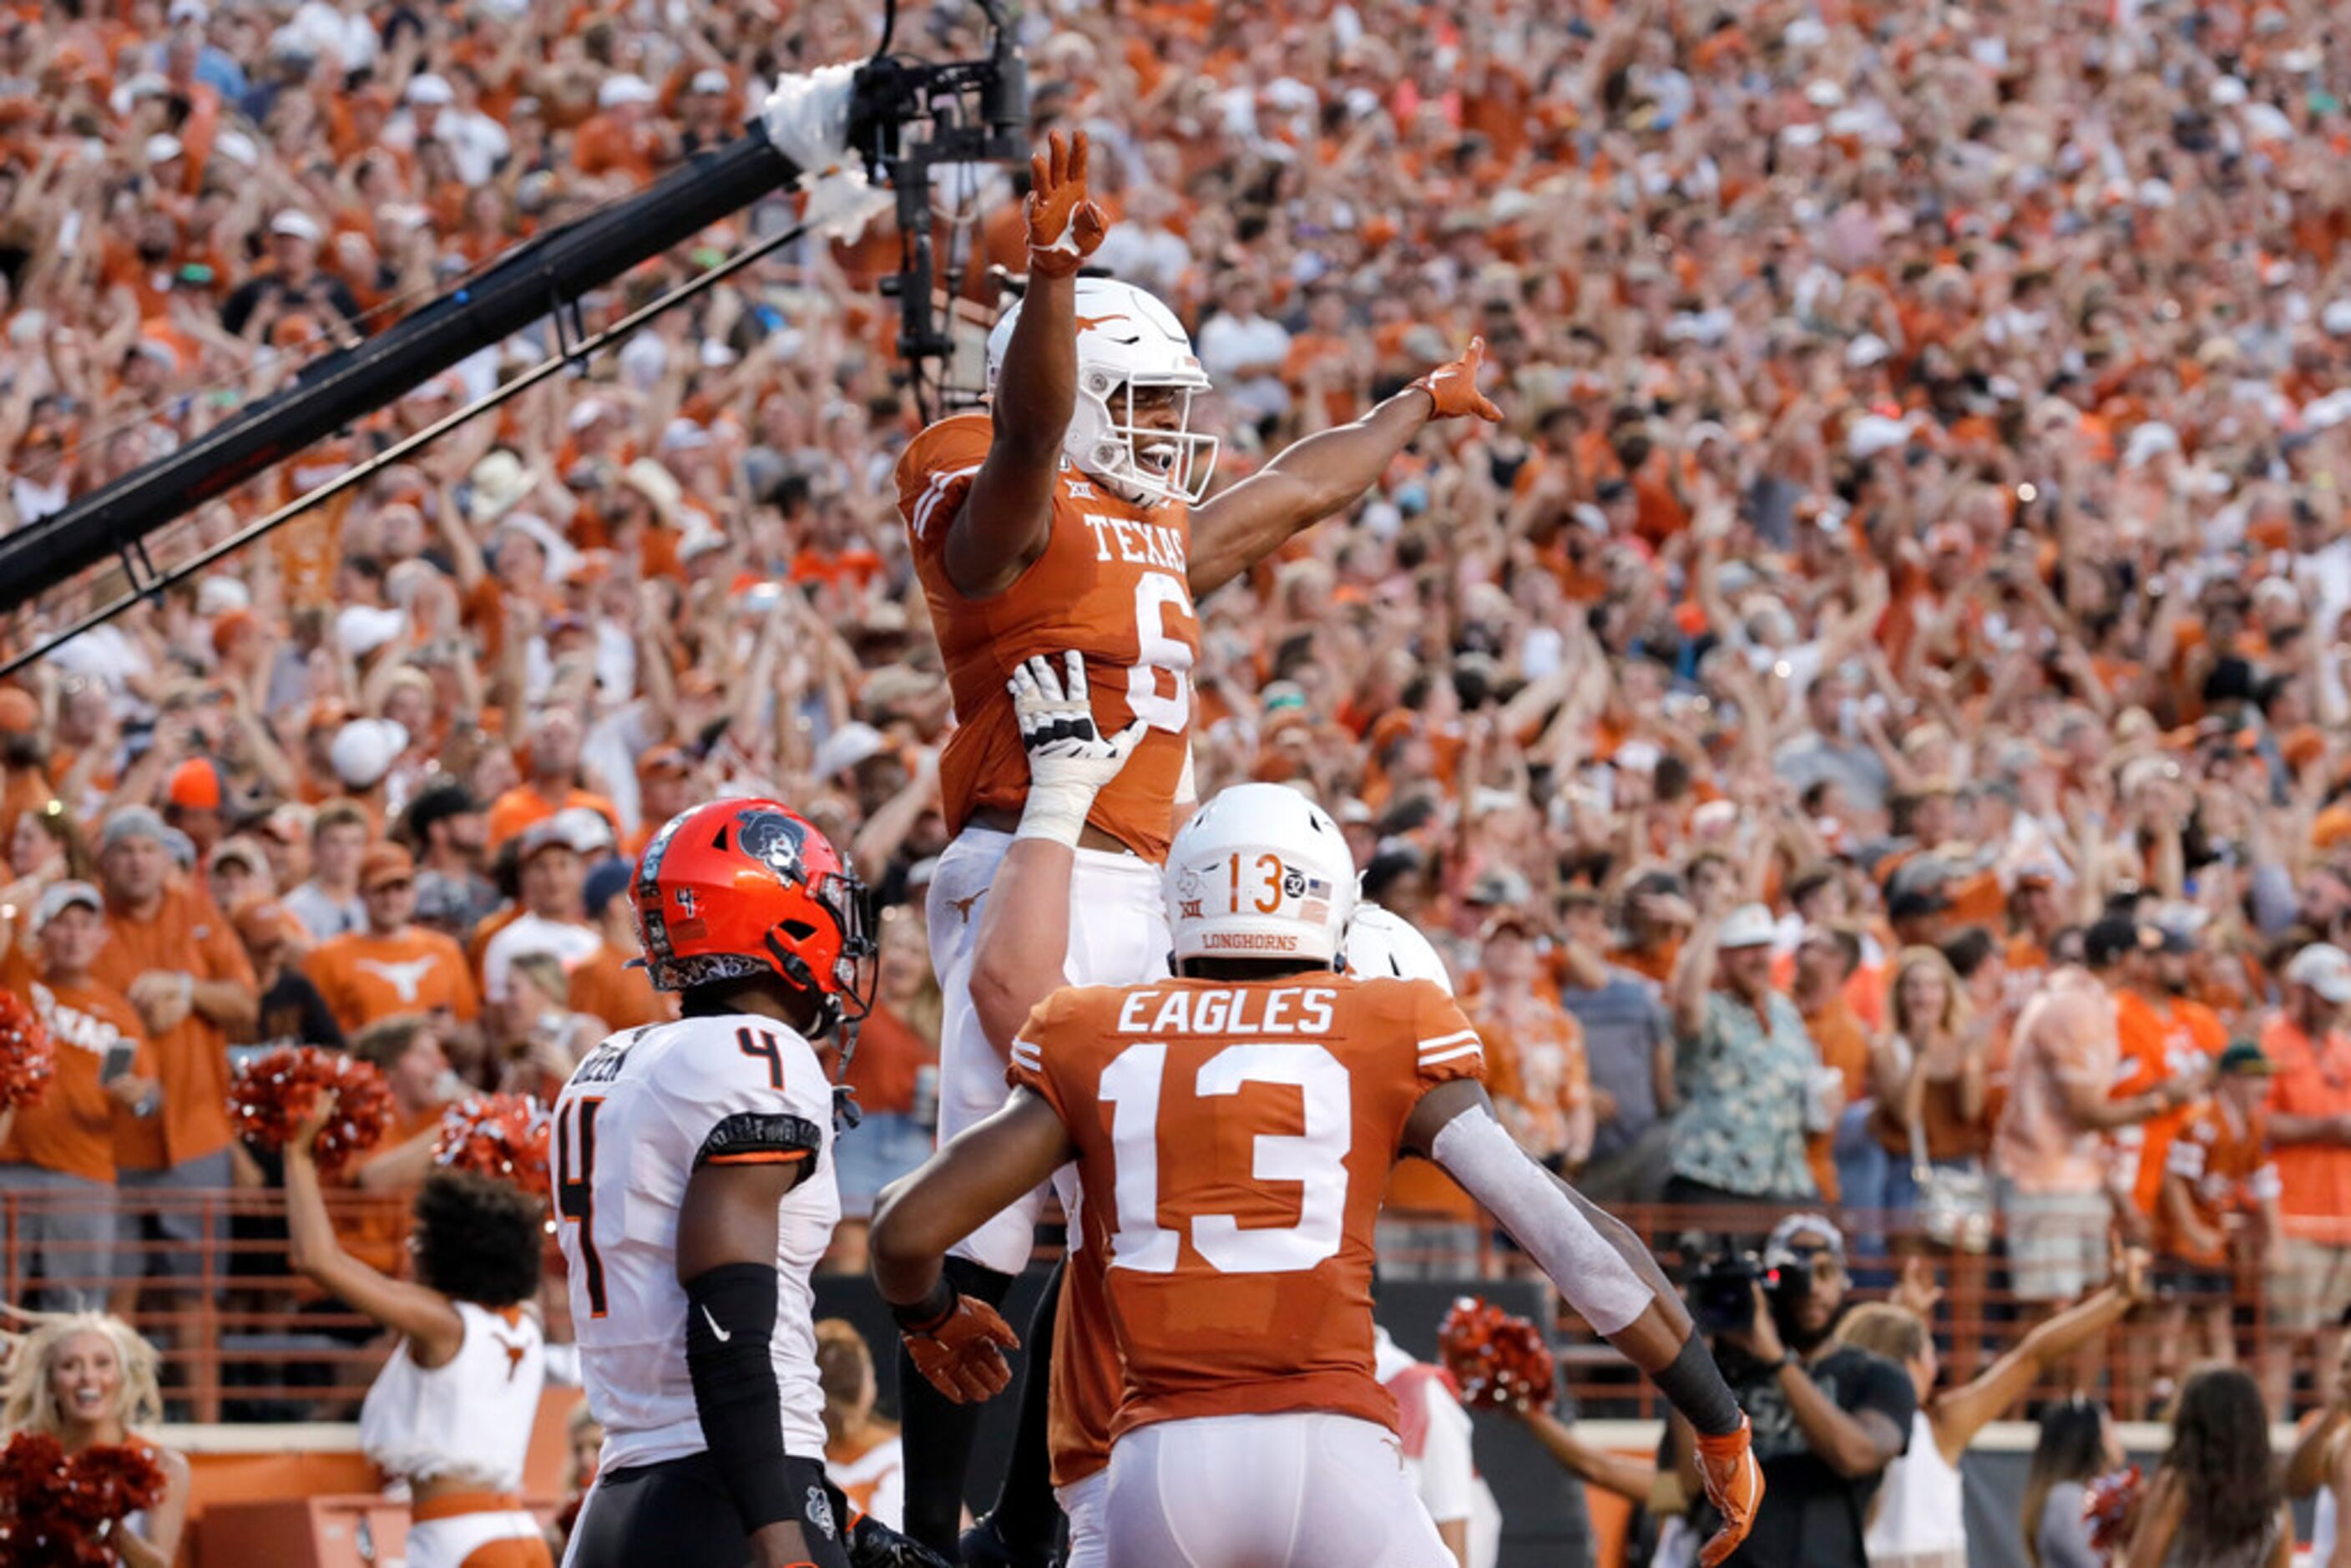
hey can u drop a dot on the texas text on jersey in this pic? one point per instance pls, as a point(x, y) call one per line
point(641, 1113)
point(1236, 1139)
point(1110, 584)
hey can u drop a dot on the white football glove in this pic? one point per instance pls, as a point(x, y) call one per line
point(1069, 760)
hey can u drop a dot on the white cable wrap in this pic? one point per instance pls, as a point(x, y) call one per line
point(1588, 1270)
point(807, 120)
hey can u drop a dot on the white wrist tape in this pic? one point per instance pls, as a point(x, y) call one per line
point(1056, 811)
point(1588, 1270)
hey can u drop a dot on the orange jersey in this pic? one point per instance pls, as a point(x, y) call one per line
point(1110, 584)
point(2227, 1166)
point(1236, 1138)
point(71, 1127)
point(365, 978)
point(2158, 1043)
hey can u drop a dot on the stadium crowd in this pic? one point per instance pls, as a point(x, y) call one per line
point(1869, 727)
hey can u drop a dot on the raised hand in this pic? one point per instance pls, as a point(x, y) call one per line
point(1453, 387)
point(1064, 225)
point(1057, 726)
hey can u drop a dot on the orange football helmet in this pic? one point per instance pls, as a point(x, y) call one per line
point(741, 887)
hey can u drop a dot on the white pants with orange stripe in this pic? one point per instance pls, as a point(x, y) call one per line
point(505, 1537)
point(1118, 937)
point(1300, 1489)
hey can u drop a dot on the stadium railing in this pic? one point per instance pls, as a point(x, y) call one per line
point(243, 1339)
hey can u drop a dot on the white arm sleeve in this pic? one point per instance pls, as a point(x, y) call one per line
point(1587, 1268)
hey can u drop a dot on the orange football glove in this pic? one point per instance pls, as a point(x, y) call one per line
point(1064, 227)
point(963, 1352)
point(1734, 1484)
point(1453, 388)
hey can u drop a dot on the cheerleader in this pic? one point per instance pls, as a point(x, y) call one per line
point(89, 1380)
point(452, 1411)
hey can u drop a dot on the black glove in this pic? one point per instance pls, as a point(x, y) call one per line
point(873, 1544)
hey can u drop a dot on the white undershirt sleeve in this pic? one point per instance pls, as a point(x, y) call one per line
point(1588, 1270)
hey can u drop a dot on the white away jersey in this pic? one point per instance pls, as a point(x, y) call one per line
point(629, 1128)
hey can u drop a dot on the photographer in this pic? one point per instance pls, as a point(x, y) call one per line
point(1828, 1417)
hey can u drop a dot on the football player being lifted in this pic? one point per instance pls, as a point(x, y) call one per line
point(1074, 514)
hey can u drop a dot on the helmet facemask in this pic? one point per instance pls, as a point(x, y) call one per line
point(1143, 462)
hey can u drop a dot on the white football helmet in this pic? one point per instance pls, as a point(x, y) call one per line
point(1383, 946)
point(1128, 340)
point(1261, 872)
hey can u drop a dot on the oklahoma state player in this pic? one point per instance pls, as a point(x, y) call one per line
point(1233, 1129)
point(1071, 516)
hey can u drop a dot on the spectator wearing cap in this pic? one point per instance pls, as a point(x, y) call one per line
point(1744, 1067)
point(622, 139)
point(196, 802)
point(1658, 917)
point(2310, 1121)
point(611, 983)
point(445, 828)
point(362, 755)
point(62, 1146)
point(2217, 1215)
point(171, 953)
point(666, 786)
point(1628, 1050)
point(394, 966)
point(292, 1010)
point(704, 108)
point(438, 109)
point(239, 871)
point(1534, 1050)
point(553, 781)
point(328, 903)
point(293, 284)
point(2050, 1144)
point(551, 861)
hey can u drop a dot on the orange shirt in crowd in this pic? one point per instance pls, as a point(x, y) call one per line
point(187, 936)
point(606, 988)
point(2159, 1042)
point(1536, 1069)
point(1843, 1045)
point(72, 1128)
point(2314, 1079)
point(2228, 1171)
point(365, 978)
point(523, 805)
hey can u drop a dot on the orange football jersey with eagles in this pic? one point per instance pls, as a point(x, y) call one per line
point(1234, 1141)
point(1110, 584)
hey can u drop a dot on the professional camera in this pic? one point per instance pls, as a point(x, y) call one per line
point(1722, 1290)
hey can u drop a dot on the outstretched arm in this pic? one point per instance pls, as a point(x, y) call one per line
point(1606, 1274)
point(1960, 1413)
point(1325, 474)
point(1008, 515)
point(434, 1329)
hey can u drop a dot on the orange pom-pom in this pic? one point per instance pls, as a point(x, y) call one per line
point(502, 1136)
point(1500, 1361)
point(27, 1056)
point(272, 1096)
point(54, 1509)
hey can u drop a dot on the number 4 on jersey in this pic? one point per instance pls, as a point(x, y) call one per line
point(575, 1194)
